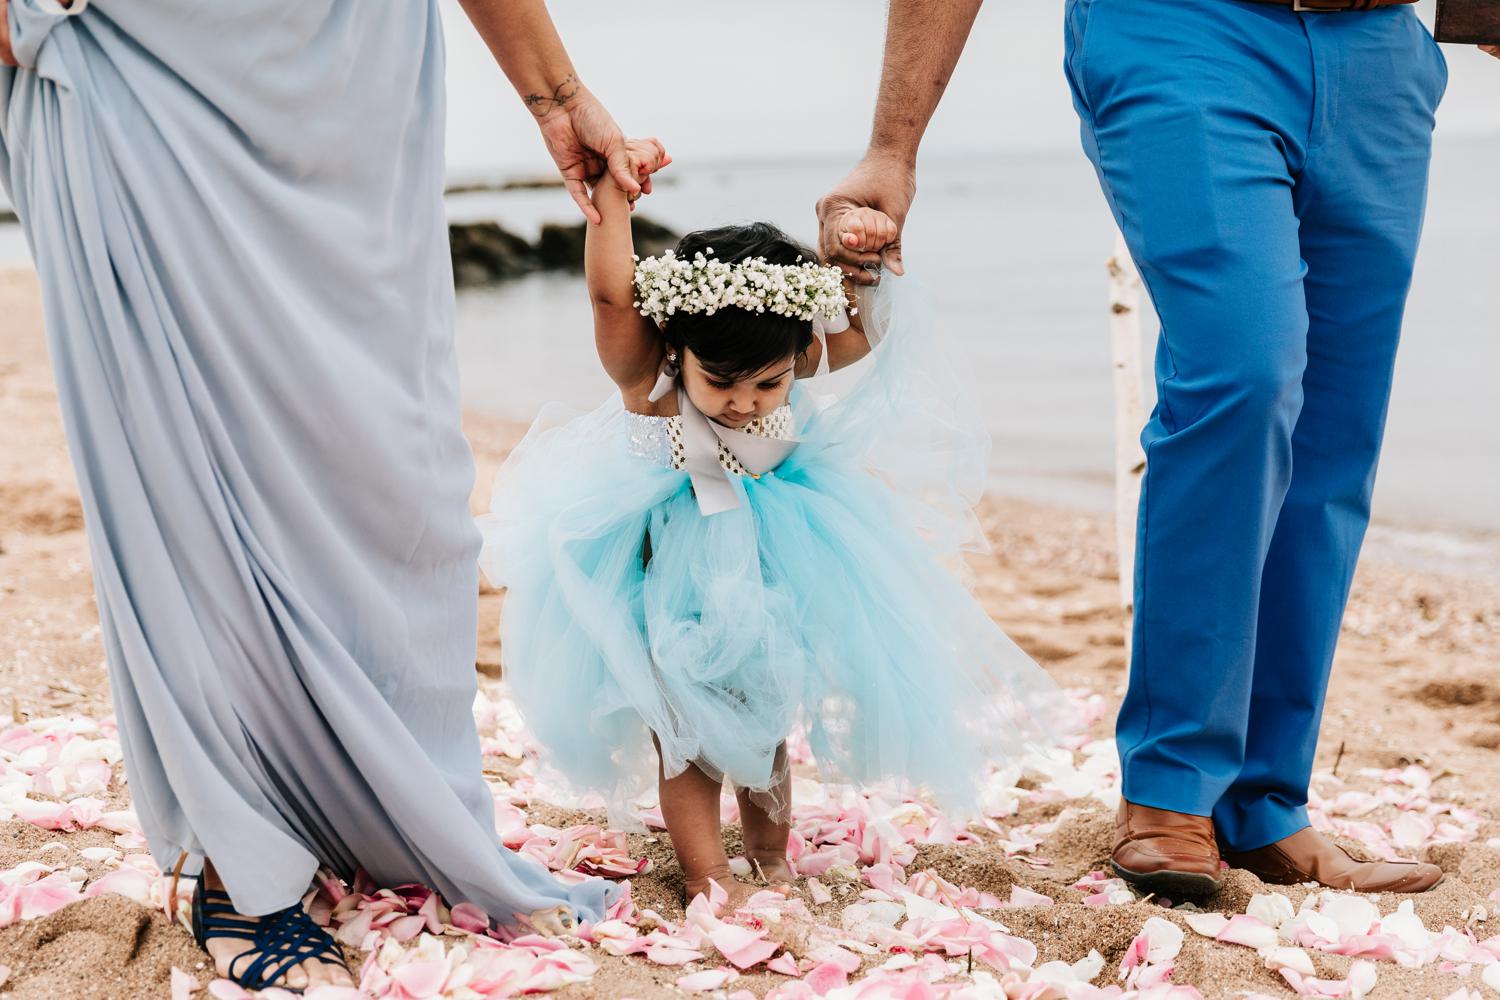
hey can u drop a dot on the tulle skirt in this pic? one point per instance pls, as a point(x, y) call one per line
point(824, 601)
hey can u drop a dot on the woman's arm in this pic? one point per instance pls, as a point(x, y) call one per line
point(583, 139)
point(629, 344)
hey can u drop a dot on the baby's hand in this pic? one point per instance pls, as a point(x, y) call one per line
point(865, 230)
point(647, 156)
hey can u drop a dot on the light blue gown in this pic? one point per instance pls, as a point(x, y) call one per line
point(825, 599)
point(236, 212)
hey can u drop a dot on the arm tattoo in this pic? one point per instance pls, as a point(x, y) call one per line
point(564, 92)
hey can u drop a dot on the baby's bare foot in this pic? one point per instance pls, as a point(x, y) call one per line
point(773, 870)
point(738, 892)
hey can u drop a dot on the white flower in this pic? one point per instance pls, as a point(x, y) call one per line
point(667, 285)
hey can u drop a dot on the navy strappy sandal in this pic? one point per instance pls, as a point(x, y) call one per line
point(278, 941)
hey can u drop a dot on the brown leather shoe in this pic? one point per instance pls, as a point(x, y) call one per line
point(1308, 856)
point(1168, 853)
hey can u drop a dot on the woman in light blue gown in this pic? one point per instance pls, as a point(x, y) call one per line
point(236, 213)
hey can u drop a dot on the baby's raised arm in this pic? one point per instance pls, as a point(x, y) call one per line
point(629, 345)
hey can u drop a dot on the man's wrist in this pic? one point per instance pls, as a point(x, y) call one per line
point(895, 155)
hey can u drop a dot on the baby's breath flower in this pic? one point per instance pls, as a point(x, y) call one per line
point(668, 284)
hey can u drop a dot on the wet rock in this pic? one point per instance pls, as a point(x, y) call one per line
point(560, 247)
point(483, 252)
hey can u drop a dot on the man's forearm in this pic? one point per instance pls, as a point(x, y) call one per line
point(525, 43)
point(923, 41)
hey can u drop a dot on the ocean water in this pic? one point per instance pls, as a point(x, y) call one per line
point(764, 106)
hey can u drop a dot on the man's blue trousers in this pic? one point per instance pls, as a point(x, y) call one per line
point(1268, 169)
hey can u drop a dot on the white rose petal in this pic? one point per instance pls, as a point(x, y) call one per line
point(1352, 914)
point(1164, 940)
point(1271, 908)
point(1362, 978)
point(1491, 975)
point(1288, 958)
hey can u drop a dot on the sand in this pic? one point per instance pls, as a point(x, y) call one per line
point(1415, 682)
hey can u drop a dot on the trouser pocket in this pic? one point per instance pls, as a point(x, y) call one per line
point(1075, 26)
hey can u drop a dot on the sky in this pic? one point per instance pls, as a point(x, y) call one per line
point(774, 79)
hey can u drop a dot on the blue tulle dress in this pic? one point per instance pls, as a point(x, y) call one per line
point(822, 599)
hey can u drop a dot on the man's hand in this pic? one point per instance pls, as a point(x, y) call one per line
point(585, 142)
point(885, 185)
point(7, 57)
point(1493, 50)
point(923, 41)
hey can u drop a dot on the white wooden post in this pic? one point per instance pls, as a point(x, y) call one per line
point(1130, 416)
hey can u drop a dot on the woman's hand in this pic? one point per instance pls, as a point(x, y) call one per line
point(585, 142)
point(583, 139)
point(1493, 50)
point(7, 57)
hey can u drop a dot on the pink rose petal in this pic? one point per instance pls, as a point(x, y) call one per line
point(826, 977)
point(47, 815)
point(742, 946)
point(1026, 897)
point(468, 917)
point(420, 979)
point(834, 955)
point(46, 896)
point(1135, 954)
point(1248, 931)
point(128, 882)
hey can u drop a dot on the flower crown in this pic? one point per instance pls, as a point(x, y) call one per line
point(669, 284)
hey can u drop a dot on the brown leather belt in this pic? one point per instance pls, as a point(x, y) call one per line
point(1330, 6)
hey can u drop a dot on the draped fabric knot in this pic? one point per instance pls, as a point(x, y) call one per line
point(31, 21)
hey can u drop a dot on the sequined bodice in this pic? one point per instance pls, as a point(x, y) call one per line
point(659, 439)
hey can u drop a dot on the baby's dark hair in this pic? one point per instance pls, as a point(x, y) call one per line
point(735, 343)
